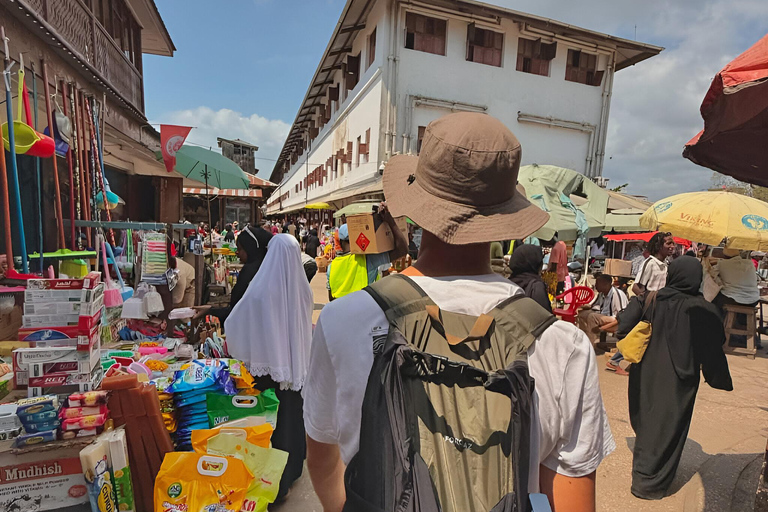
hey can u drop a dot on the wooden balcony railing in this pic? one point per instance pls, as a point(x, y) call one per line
point(77, 27)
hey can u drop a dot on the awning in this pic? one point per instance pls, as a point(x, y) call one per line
point(643, 237)
point(258, 182)
point(224, 192)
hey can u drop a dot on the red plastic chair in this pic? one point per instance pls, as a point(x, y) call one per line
point(579, 296)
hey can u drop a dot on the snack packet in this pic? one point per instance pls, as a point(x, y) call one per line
point(199, 376)
point(197, 482)
point(258, 436)
point(224, 408)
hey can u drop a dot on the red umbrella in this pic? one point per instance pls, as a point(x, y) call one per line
point(735, 112)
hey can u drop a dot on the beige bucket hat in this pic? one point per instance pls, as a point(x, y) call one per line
point(463, 185)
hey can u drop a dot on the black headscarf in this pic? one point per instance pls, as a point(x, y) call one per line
point(526, 263)
point(312, 243)
point(690, 326)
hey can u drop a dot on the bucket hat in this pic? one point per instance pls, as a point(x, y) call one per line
point(463, 186)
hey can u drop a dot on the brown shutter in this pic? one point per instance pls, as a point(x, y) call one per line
point(333, 93)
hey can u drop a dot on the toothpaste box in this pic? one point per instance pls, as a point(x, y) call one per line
point(52, 308)
point(64, 367)
point(52, 295)
point(92, 280)
point(55, 284)
point(86, 341)
point(63, 379)
point(35, 334)
point(24, 356)
point(50, 320)
point(92, 300)
point(87, 323)
point(68, 389)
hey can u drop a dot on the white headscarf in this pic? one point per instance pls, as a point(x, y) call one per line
point(270, 329)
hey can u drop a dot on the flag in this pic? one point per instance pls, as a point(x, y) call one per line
point(171, 139)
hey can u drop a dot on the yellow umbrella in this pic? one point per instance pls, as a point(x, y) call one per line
point(318, 206)
point(713, 218)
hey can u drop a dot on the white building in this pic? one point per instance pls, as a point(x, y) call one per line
point(393, 66)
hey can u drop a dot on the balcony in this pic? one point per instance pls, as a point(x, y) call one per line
point(78, 30)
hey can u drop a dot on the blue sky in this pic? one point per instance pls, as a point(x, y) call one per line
point(242, 68)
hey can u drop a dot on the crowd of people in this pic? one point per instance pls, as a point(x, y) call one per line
point(348, 399)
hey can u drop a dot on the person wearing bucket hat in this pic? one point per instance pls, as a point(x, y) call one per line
point(461, 190)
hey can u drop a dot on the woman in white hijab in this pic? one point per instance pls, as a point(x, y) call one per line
point(270, 330)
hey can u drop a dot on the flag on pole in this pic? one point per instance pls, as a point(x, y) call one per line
point(172, 137)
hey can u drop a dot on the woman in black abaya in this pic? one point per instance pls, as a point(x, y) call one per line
point(687, 335)
point(525, 264)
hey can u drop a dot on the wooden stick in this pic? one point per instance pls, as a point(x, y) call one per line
point(71, 170)
point(99, 169)
point(84, 163)
point(57, 187)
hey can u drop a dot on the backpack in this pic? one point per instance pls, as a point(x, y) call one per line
point(447, 410)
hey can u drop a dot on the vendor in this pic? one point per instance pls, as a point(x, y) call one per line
point(251, 249)
point(739, 280)
point(184, 292)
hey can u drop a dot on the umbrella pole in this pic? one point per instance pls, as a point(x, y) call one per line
point(57, 187)
point(38, 176)
point(71, 171)
point(14, 168)
point(208, 200)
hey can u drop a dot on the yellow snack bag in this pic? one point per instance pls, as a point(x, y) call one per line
point(258, 436)
point(240, 375)
point(266, 464)
point(194, 482)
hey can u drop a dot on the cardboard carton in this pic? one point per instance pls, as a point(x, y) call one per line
point(369, 234)
point(618, 268)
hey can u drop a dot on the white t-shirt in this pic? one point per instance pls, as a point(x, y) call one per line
point(739, 280)
point(653, 274)
point(569, 431)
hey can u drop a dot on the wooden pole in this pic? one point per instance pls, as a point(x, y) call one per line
point(57, 187)
point(79, 98)
point(6, 209)
point(71, 170)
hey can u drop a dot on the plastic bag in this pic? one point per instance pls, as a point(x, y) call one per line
point(194, 482)
point(224, 408)
point(266, 464)
point(259, 436)
point(199, 376)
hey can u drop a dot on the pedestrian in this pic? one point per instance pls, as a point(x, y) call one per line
point(183, 293)
point(558, 264)
point(270, 330)
point(462, 191)
point(348, 272)
point(610, 302)
point(312, 244)
point(251, 250)
point(651, 277)
point(653, 273)
point(275, 229)
point(229, 233)
point(526, 264)
point(687, 334)
point(310, 266)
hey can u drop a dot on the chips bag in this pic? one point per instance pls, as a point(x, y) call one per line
point(224, 408)
point(258, 436)
point(240, 375)
point(199, 376)
point(194, 482)
point(266, 464)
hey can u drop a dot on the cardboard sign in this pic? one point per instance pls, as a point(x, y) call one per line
point(369, 234)
point(48, 480)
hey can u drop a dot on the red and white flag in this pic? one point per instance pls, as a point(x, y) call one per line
point(172, 137)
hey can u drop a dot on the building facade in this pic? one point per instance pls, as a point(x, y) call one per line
point(394, 66)
point(95, 48)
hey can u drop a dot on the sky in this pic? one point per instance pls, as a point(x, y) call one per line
point(242, 68)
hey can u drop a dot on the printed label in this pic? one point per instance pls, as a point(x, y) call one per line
point(362, 241)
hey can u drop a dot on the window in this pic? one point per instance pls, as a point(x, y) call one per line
point(582, 68)
point(352, 75)
point(533, 56)
point(484, 46)
point(359, 144)
point(424, 34)
point(371, 48)
point(422, 129)
point(117, 19)
point(365, 147)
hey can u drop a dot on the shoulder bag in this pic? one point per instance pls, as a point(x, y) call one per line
point(633, 346)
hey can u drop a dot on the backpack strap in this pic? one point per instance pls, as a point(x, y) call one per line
point(527, 314)
point(398, 295)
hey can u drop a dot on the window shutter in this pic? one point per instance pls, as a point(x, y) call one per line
point(333, 94)
point(548, 51)
point(597, 78)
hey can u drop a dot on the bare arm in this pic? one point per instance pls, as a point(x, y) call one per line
point(326, 470)
point(568, 494)
point(638, 289)
point(401, 242)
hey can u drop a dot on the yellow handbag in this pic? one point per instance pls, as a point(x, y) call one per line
point(633, 346)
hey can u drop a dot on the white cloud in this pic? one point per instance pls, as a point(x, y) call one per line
point(655, 104)
point(267, 134)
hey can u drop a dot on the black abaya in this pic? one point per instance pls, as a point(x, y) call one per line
point(687, 334)
point(525, 264)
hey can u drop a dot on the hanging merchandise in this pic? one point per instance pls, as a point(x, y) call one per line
point(96, 156)
point(14, 168)
point(80, 144)
point(70, 165)
point(57, 187)
point(112, 294)
point(154, 258)
point(27, 141)
point(75, 155)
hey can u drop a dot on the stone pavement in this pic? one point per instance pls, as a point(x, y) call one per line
point(721, 460)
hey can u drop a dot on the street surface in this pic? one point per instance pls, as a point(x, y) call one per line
point(720, 464)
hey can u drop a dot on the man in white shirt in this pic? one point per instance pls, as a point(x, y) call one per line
point(462, 192)
point(739, 280)
point(653, 272)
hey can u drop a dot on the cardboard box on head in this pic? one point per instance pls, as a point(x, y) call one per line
point(369, 234)
point(618, 268)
